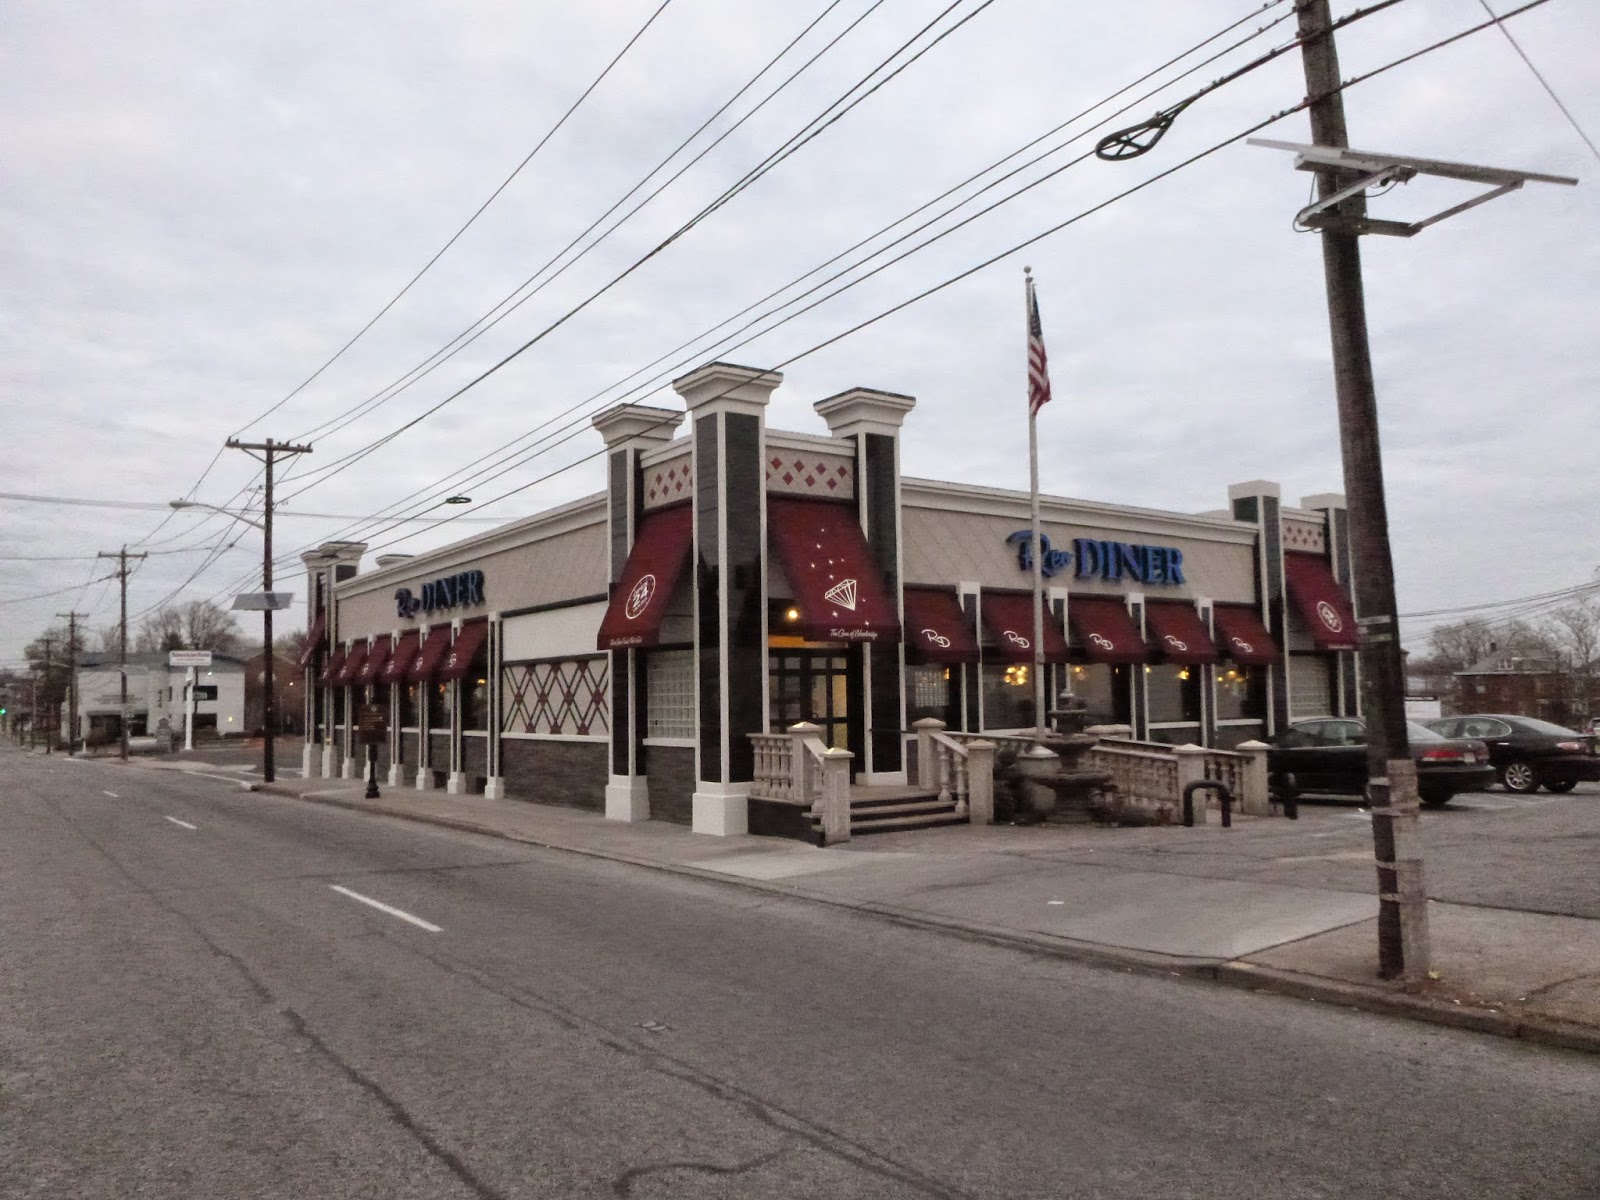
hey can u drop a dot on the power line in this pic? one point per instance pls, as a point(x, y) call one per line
point(146, 540)
point(480, 477)
point(1083, 214)
point(457, 234)
point(456, 344)
point(76, 587)
point(1543, 82)
point(1543, 597)
point(341, 464)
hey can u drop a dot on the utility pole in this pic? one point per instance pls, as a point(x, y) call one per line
point(49, 736)
point(269, 449)
point(33, 708)
point(1403, 949)
point(72, 677)
point(122, 556)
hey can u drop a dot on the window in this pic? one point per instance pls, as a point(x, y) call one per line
point(1174, 693)
point(438, 706)
point(670, 694)
point(1104, 690)
point(928, 693)
point(1310, 685)
point(1241, 693)
point(1007, 696)
point(474, 687)
point(1482, 727)
point(408, 706)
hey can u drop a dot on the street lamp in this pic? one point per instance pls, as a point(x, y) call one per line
point(268, 700)
point(227, 512)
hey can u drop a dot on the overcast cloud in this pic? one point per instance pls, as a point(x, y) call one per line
point(199, 203)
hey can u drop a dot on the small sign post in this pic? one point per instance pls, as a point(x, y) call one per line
point(372, 722)
point(190, 659)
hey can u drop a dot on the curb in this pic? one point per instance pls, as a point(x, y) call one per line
point(1237, 973)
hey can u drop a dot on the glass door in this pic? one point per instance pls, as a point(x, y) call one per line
point(809, 685)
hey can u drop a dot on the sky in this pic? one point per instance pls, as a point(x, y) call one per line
point(200, 204)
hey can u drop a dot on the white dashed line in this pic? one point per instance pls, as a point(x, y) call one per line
point(382, 907)
point(175, 821)
point(113, 795)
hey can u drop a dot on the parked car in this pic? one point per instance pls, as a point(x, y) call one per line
point(1329, 754)
point(1528, 753)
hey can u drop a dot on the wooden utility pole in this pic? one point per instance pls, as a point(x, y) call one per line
point(269, 706)
point(1403, 949)
point(122, 556)
point(72, 677)
point(49, 736)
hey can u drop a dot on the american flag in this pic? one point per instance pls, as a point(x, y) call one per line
point(1038, 367)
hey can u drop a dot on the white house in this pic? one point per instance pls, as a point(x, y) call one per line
point(156, 693)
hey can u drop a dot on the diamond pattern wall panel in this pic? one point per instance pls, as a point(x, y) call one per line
point(571, 697)
point(807, 473)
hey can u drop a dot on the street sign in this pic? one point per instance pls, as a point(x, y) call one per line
point(189, 658)
point(372, 721)
point(263, 601)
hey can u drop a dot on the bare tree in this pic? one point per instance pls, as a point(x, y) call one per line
point(1574, 633)
point(197, 625)
point(1459, 645)
point(290, 644)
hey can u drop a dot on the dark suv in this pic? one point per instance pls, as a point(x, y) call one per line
point(1329, 754)
point(1528, 753)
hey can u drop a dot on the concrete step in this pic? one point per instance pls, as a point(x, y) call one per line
point(871, 801)
point(930, 805)
point(923, 821)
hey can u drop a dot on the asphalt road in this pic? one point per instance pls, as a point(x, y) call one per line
point(196, 999)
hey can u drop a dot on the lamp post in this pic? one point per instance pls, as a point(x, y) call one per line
point(268, 707)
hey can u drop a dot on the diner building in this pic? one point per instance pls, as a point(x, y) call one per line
point(619, 652)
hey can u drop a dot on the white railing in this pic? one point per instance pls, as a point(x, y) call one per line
point(797, 767)
point(1153, 774)
point(960, 769)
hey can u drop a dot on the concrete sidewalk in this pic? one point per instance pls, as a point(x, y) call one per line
point(1184, 901)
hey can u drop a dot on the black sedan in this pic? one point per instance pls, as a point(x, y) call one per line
point(1528, 753)
point(1329, 754)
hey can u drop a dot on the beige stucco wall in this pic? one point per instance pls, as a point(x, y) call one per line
point(945, 543)
point(520, 571)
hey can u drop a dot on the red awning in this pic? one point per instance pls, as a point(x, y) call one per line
point(640, 599)
point(468, 641)
point(432, 652)
point(1322, 604)
point(1177, 633)
point(837, 587)
point(936, 628)
point(376, 658)
point(353, 658)
point(313, 641)
point(1008, 616)
point(1105, 630)
point(331, 668)
point(1242, 637)
point(405, 650)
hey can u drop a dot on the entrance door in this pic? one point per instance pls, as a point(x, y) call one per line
point(809, 685)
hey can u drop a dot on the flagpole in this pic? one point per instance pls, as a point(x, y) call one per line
point(1034, 524)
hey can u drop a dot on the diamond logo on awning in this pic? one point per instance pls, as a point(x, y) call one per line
point(843, 594)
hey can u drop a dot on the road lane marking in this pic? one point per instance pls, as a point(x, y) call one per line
point(175, 821)
point(113, 795)
point(382, 907)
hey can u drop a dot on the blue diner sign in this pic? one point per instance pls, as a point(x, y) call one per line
point(1098, 559)
point(453, 591)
